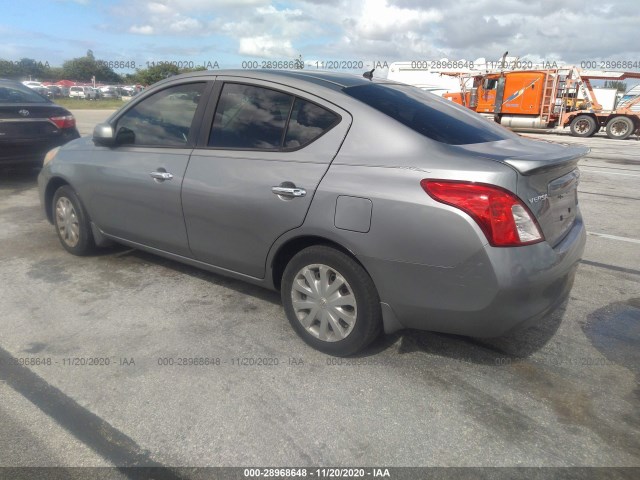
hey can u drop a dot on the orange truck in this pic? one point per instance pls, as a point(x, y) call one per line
point(532, 99)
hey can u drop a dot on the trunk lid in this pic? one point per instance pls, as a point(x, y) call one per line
point(547, 179)
point(28, 121)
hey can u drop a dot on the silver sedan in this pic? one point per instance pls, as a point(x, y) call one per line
point(370, 205)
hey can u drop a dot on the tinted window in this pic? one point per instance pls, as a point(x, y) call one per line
point(250, 117)
point(490, 84)
point(163, 119)
point(19, 94)
point(429, 115)
point(308, 121)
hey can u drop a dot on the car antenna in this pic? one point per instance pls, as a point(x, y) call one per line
point(368, 74)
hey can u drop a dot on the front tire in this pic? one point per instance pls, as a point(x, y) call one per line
point(72, 222)
point(330, 301)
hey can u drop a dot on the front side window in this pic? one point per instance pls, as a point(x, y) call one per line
point(163, 119)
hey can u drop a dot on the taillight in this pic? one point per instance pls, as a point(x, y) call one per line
point(66, 121)
point(504, 219)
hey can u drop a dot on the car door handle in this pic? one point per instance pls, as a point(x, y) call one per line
point(291, 192)
point(161, 175)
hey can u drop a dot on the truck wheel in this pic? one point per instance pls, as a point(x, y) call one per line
point(620, 128)
point(583, 126)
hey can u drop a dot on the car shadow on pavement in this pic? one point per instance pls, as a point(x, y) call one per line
point(210, 277)
point(17, 179)
point(485, 351)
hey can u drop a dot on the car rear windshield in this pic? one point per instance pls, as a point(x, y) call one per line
point(16, 93)
point(428, 114)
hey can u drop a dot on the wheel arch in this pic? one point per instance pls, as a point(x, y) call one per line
point(52, 186)
point(290, 247)
point(579, 113)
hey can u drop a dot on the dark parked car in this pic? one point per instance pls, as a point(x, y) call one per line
point(369, 204)
point(31, 125)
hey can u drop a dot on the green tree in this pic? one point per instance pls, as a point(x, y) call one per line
point(196, 69)
point(84, 68)
point(24, 69)
point(8, 69)
point(55, 74)
point(147, 76)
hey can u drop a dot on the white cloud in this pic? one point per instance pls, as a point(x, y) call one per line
point(392, 30)
point(158, 8)
point(212, 5)
point(273, 11)
point(378, 19)
point(186, 25)
point(141, 29)
point(266, 47)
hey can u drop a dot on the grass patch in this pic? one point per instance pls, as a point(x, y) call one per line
point(80, 103)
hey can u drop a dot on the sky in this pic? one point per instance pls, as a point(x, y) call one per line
point(227, 33)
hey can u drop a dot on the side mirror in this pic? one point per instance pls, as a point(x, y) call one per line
point(103, 135)
point(125, 136)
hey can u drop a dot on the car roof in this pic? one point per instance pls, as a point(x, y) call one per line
point(294, 78)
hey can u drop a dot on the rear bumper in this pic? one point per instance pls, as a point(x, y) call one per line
point(32, 151)
point(487, 295)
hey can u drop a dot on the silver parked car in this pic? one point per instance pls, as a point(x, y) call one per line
point(370, 205)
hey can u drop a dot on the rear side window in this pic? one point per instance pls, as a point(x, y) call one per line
point(250, 117)
point(429, 115)
point(308, 121)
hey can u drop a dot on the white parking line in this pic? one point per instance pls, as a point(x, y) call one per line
point(608, 173)
point(613, 237)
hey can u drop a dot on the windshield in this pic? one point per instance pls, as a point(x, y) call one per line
point(16, 93)
point(428, 114)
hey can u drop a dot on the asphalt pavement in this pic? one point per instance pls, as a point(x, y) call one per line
point(125, 358)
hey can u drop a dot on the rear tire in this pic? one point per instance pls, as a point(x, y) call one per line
point(583, 126)
point(620, 128)
point(331, 301)
point(72, 222)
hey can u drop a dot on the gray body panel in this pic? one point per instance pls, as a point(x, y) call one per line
point(126, 202)
point(431, 263)
point(232, 215)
